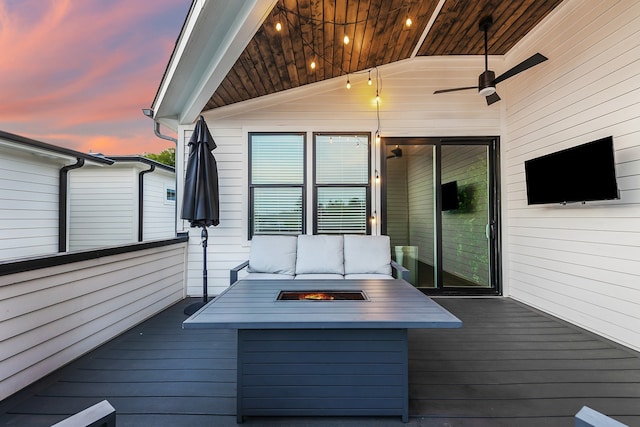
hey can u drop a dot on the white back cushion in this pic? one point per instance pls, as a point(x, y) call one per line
point(320, 254)
point(273, 254)
point(367, 254)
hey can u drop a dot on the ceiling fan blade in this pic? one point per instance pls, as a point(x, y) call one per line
point(455, 89)
point(524, 65)
point(493, 98)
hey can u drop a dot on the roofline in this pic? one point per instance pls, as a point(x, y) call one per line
point(213, 37)
point(142, 159)
point(173, 52)
point(21, 140)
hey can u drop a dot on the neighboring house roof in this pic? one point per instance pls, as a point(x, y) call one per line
point(50, 150)
point(141, 159)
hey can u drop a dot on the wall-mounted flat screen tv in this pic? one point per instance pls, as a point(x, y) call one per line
point(579, 174)
point(450, 196)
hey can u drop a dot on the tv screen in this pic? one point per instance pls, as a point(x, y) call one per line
point(450, 196)
point(579, 174)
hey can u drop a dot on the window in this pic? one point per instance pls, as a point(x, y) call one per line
point(276, 183)
point(277, 187)
point(342, 192)
point(170, 195)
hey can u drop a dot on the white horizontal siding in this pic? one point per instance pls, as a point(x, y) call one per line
point(158, 212)
point(578, 262)
point(397, 202)
point(421, 203)
point(465, 247)
point(408, 108)
point(50, 316)
point(29, 204)
point(103, 207)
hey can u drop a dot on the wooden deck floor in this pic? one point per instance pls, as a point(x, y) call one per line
point(508, 366)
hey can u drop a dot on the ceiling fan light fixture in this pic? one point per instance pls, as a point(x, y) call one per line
point(487, 91)
point(486, 86)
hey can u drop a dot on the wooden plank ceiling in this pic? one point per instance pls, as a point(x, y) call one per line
point(314, 30)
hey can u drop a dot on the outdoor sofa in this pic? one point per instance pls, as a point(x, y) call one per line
point(319, 257)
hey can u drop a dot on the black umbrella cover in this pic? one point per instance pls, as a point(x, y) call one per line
point(201, 205)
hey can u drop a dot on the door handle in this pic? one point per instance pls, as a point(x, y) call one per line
point(488, 230)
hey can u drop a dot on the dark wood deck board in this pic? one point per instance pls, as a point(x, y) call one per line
point(508, 366)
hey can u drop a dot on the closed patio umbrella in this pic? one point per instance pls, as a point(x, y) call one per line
point(200, 203)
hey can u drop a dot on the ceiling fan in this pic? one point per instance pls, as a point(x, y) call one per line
point(487, 81)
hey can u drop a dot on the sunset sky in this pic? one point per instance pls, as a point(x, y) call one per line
point(77, 73)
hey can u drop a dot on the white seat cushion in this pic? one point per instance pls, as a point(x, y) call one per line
point(267, 276)
point(368, 276)
point(320, 276)
point(367, 255)
point(273, 254)
point(320, 254)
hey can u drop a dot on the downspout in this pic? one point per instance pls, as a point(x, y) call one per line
point(62, 203)
point(141, 201)
point(156, 130)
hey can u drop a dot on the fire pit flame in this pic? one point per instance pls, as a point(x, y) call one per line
point(319, 296)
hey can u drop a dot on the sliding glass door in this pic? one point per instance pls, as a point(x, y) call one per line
point(440, 209)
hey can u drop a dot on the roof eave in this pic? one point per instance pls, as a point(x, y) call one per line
point(213, 37)
point(50, 150)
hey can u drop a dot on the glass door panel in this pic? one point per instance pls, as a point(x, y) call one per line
point(440, 210)
point(410, 202)
point(465, 216)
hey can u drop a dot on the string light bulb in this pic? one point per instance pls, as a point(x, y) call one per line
point(372, 218)
point(377, 177)
point(408, 22)
point(370, 82)
point(346, 39)
point(348, 83)
point(313, 64)
point(377, 97)
point(377, 137)
point(278, 26)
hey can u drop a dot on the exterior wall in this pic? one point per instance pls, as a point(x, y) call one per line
point(51, 316)
point(578, 262)
point(159, 213)
point(421, 200)
point(103, 207)
point(407, 109)
point(465, 247)
point(28, 204)
point(397, 202)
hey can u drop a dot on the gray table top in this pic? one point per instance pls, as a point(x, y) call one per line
point(391, 304)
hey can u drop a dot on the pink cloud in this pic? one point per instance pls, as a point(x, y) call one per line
point(77, 74)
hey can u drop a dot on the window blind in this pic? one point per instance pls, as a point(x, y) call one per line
point(277, 159)
point(277, 210)
point(342, 159)
point(342, 210)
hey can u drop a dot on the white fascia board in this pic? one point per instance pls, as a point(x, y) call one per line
point(52, 156)
point(212, 39)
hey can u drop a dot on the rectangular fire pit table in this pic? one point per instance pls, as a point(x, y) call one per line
point(322, 354)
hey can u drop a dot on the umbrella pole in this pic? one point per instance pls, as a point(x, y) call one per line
point(205, 236)
point(192, 308)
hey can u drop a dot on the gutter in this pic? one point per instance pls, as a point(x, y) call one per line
point(141, 201)
point(63, 190)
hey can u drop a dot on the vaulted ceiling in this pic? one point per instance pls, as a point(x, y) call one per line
point(314, 30)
